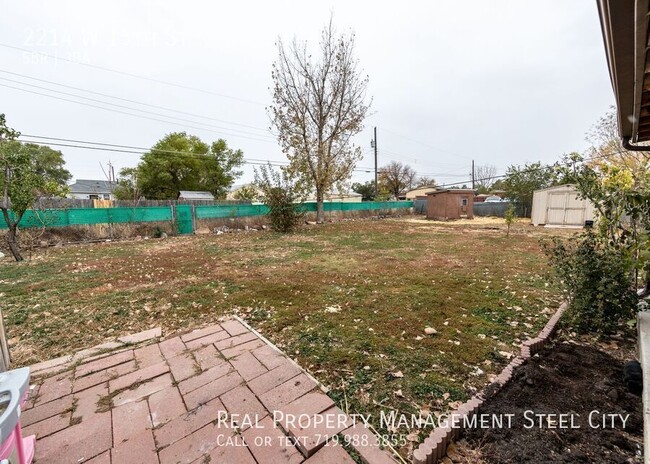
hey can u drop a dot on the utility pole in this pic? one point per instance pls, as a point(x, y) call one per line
point(374, 145)
point(473, 180)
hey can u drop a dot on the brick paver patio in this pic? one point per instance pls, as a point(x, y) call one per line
point(220, 394)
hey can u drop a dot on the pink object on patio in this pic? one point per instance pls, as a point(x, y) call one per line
point(14, 448)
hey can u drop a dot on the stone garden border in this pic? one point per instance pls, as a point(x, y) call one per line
point(435, 445)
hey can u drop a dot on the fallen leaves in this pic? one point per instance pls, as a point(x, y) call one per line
point(333, 309)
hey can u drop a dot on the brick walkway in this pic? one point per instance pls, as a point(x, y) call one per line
point(220, 394)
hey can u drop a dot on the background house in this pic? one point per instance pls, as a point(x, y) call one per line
point(338, 197)
point(195, 195)
point(418, 192)
point(88, 189)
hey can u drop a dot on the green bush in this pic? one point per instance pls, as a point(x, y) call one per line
point(283, 196)
point(596, 279)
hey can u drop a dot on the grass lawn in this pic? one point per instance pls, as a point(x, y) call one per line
point(349, 301)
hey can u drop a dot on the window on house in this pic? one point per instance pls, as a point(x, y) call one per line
point(464, 201)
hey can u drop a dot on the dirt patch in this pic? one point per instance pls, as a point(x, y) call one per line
point(569, 379)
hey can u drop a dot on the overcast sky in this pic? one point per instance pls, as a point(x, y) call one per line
point(501, 82)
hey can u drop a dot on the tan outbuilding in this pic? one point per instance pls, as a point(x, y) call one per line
point(560, 206)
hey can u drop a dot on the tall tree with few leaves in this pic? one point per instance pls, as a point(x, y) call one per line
point(27, 171)
point(607, 146)
point(319, 104)
point(484, 177)
point(397, 177)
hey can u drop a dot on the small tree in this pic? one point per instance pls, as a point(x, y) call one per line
point(620, 193)
point(596, 279)
point(510, 216)
point(484, 178)
point(283, 195)
point(246, 193)
point(521, 181)
point(127, 185)
point(367, 190)
point(22, 180)
point(397, 177)
point(426, 181)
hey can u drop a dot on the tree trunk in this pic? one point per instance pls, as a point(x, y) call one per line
point(320, 211)
point(13, 244)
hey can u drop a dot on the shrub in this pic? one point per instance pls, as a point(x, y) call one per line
point(510, 215)
point(282, 195)
point(596, 279)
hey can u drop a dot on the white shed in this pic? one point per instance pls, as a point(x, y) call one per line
point(560, 206)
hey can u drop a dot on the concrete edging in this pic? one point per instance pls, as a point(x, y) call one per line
point(435, 445)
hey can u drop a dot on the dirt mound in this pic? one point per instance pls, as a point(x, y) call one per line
point(569, 405)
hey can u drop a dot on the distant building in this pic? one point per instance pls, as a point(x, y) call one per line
point(443, 205)
point(338, 197)
point(195, 195)
point(418, 191)
point(560, 205)
point(88, 189)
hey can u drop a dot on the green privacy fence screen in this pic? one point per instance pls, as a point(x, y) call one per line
point(183, 214)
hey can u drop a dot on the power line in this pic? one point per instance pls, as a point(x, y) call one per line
point(131, 114)
point(139, 152)
point(424, 144)
point(131, 149)
point(135, 76)
point(525, 171)
point(143, 111)
point(176, 118)
point(130, 101)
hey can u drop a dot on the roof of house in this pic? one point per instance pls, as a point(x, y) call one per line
point(435, 192)
point(336, 193)
point(91, 186)
point(624, 26)
point(421, 187)
point(195, 195)
point(235, 187)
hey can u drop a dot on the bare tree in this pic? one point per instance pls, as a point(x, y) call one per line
point(318, 106)
point(425, 181)
point(484, 177)
point(607, 146)
point(397, 177)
